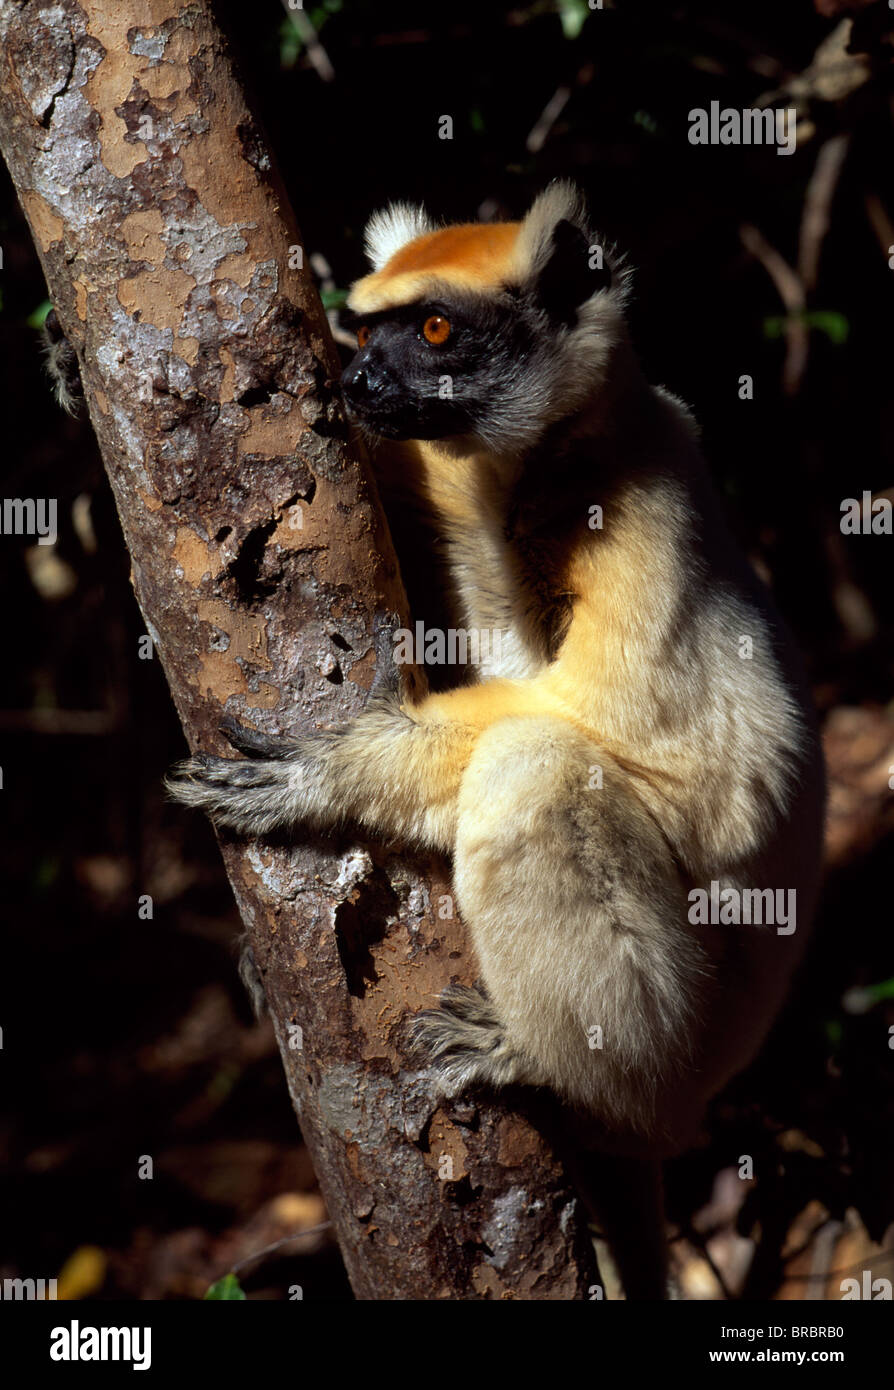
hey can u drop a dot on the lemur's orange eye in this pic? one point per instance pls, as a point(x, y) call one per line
point(436, 329)
point(362, 336)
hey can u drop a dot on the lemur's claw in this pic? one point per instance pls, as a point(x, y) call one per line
point(387, 678)
point(252, 742)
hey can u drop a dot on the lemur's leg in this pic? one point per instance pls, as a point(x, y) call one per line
point(395, 770)
point(579, 921)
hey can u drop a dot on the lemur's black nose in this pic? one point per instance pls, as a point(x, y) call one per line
point(355, 382)
point(361, 380)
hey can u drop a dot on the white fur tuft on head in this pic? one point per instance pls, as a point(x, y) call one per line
point(391, 228)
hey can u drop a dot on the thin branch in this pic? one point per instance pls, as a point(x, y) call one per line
point(277, 1245)
point(319, 58)
point(790, 289)
point(816, 216)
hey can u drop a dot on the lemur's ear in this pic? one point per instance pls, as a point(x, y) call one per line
point(564, 266)
point(391, 228)
point(572, 274)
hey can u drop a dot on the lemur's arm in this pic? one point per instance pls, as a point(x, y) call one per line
point(395, 770)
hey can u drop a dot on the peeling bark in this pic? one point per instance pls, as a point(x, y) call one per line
point(260, 560)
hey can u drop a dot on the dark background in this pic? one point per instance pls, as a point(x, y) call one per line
point(124, 1037)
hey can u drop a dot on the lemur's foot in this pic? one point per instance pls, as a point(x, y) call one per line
point(467, 1042)
point(61, 365)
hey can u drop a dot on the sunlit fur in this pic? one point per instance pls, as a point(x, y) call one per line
point(645, 732)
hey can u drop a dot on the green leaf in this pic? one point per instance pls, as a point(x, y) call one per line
point(38, 317)
point(573, 15)
point(859, 999)
point(828, 321)
point(834, 325)
point(290, 44)
point(333, 299)
point(44, 875)
point(646, 121)
point(226, 1290)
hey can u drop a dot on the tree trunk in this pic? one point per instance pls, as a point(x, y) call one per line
point(260, 559)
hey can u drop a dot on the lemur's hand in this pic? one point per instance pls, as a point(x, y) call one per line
point(284, 781)
point(254, 795)
point(62, 365)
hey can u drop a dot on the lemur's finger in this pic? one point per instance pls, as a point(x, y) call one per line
point(252, 742)
point(243, 795)
point(218, 772)
point(387, 678)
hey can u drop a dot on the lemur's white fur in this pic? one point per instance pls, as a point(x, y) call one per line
point(387, 231)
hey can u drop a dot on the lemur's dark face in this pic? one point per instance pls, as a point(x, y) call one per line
point(435, 369)
point(489, 367)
